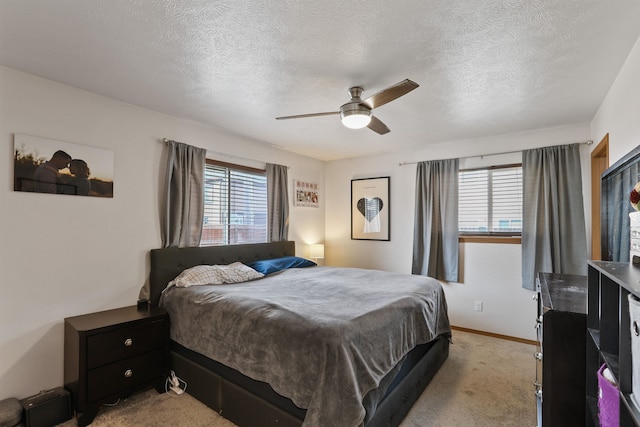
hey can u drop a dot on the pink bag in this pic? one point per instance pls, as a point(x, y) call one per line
point(608, 401)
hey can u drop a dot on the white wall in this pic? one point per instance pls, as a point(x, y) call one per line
point(61, 255)
point(490, 273)
point(619, 114)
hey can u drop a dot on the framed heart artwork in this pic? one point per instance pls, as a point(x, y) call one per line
point(370, 207)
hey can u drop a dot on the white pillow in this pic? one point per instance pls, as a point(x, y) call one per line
point(215, 275)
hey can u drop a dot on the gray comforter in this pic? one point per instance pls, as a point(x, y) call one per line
point(321, 336)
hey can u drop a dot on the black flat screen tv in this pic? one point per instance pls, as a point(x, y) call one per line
point(617, 182)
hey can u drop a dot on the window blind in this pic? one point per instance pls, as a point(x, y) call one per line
point(235, 205)
point(490, 201)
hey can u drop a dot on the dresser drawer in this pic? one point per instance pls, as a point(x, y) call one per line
point(124, 342)
point(124, 374)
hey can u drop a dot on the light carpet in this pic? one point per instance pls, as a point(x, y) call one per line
point(486, 381)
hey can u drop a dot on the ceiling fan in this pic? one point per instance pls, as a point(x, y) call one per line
point(356, 113)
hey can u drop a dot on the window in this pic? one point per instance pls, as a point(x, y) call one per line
point(490, 201)
point(235, 205)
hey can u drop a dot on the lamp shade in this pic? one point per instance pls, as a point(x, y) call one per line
point(356, 121)
point(355, 115)
point(316, 251)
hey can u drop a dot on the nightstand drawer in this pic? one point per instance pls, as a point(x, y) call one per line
point(124, 374)
point(124, 342)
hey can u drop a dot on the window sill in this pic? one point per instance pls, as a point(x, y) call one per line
point(512, 240)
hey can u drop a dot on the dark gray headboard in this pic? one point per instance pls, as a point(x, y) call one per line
point(167, 263)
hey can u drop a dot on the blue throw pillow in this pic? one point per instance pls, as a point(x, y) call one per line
point(266, 266)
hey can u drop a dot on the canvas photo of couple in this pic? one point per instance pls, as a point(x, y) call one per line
point(48, 166)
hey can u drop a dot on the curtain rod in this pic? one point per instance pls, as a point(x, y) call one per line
point(166, 141)
point(482, 156)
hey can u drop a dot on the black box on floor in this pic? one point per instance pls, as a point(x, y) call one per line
point(47, 408)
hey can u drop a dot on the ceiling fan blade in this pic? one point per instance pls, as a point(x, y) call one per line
point(377, 126)
point(301, 116)
point(391, 93)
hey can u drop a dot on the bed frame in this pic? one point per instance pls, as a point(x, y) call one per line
point(247, 402)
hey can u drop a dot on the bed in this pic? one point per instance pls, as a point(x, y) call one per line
point(367, 369)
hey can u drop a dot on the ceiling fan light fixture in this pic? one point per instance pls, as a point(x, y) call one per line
point(355, 117)
point(356, 113)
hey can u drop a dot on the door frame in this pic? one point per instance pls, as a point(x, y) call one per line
point(599, 163)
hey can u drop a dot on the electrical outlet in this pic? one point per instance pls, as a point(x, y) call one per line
point(478, 305)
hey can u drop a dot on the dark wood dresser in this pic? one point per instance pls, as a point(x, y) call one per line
point(561, 354)
point(113, 353)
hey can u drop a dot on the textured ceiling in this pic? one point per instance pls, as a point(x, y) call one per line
point(484, 67)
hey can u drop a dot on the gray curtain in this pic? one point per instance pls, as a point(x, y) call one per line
point(617, 208)
point(183, 209)
point(277, 203)
point(435, 233)
point(553, 228)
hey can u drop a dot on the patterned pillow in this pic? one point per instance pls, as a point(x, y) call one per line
point(215, 275)
point(237, 273)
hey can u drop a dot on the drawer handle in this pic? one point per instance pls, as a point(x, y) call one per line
point(128, 342)
point(538, 355)
point(538, 391)
point(636, 329)
point(128, 373)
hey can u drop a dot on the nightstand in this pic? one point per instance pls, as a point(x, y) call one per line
point(112, 354)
